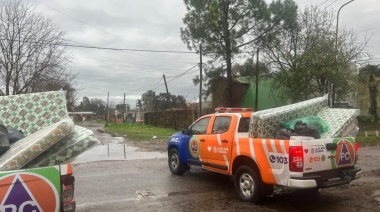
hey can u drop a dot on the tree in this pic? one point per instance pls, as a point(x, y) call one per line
point(248, 69)
point(31, 54)
point(97, 106)
point(153, 102)
point(149, 100)
point(224, 27)
point(367, 76)
point(304, 52)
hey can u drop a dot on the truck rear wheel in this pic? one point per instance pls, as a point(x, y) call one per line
point(248, 184)
point(175, 165)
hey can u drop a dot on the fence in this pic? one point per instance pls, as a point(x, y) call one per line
point(171, 119)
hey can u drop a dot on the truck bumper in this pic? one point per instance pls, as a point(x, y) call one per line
point(326, 179)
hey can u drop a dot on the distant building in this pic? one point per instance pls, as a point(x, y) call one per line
point(82, 115)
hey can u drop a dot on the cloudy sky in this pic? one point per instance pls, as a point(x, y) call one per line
point(155, 25)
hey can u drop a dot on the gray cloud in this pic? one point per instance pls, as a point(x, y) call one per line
point(152, 24)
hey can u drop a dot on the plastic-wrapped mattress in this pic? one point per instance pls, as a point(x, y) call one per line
point(78, 141)
point(265, 123)
point(32, 112)
point(26, 149)
point(342, 122)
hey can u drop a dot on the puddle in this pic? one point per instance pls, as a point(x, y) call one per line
point(115, 151)
point(113, 148)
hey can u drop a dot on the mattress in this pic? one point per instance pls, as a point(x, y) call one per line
point(342, 122)
point(26, 149)
point(78, 141)
point(265, 123)
point(32, 112)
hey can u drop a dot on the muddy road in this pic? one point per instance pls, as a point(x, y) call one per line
point(148, 185)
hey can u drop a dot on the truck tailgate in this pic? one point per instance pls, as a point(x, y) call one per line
point(328, 154)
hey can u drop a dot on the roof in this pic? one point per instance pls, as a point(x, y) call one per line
point(269, 96)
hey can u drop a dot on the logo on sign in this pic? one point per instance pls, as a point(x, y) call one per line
point(194, 146)
point(22, 192)
point(344, 153)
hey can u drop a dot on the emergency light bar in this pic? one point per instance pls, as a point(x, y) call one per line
point(232, 109)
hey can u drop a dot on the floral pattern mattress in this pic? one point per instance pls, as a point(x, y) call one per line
point(78, 141)
point(26, 149)
point(32, 112)
point(265, 123)
point(342, 122)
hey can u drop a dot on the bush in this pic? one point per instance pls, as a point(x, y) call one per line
point(363, 119)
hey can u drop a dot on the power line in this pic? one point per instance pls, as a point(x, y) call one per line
point(97, 27)
point(332, 3)
point(102, 48)
point(323, 3)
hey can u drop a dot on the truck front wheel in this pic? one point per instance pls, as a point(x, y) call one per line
point(175, 165)
point(248, 184)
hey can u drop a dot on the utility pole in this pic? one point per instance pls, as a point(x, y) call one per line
point(167, 93)
point(124, 109)
point(257, 79)
point(108, 107)
point(200, 82)
point(336, 49)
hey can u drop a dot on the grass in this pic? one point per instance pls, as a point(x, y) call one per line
point(372, 139)
point(140, 132)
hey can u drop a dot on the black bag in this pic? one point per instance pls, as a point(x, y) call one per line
point(285, 133)
point(306, 130)
point(14, 135)
point(4, 139)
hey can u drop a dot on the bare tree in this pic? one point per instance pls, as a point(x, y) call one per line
point(32, 55)
point(304, 52)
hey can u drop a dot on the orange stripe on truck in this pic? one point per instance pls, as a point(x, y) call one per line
point(278, 146)
point(263, 162)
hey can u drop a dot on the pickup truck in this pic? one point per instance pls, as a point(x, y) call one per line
point(39, 189)
point(221, 142)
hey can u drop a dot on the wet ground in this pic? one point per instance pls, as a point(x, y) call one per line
point(146, 184)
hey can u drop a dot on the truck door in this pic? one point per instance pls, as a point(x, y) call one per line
point(196, 147)
point(219, 142)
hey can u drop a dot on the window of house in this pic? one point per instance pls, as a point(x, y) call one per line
point(119, 116)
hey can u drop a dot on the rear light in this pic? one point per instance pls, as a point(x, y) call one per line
point(296, 158)
point(68, 193)
point(356, 145)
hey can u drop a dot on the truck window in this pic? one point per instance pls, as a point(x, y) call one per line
point(221, 124)
point(200, 127)
point(244, 125)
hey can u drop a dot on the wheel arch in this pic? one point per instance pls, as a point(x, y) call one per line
point(245, 160)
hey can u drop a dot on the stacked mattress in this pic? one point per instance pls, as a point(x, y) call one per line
point(265, 123)
point(51, 136)
point(341, 122)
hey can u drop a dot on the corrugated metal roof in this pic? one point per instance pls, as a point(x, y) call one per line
point(269, 96)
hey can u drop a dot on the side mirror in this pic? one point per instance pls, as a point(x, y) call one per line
point(186, 131)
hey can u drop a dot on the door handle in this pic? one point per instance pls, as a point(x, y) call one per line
point(202, 140)
point(225, 140)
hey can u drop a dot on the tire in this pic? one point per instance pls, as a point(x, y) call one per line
point(175, 165)
point(248, 184)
